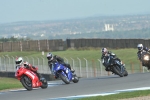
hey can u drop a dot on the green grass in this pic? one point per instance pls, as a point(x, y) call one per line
point(126, 55)
point(9, 83)
point(120, 95)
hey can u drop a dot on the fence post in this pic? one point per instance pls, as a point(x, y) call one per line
point(4, 61)
point(93, 64)
point(86, 67)
point(42, 64)
point(14, 63)
point(72, 62)
point(100, 63)
point(8, 62)
point(80, 66)
point(66, 59)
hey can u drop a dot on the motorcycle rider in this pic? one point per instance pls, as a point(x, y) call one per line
point(60, 60)
point(141, 49)
point(105, 56)
point(19, 62)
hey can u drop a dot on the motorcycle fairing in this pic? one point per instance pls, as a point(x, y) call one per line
point(64, 70)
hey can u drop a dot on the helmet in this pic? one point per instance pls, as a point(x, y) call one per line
point(140, 47)
point(19, 61)
point(49, 56)
point(26, 64)
point(104, 50)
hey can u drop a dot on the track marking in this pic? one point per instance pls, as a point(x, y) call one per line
point(16, 90)
point(100, 94)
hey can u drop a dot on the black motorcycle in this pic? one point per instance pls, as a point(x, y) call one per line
point(116, 66)
point(145, 59)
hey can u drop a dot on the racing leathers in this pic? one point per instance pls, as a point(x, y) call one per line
point(139, 54)
point(145, 49)
point(107, 59)
point(60, 60)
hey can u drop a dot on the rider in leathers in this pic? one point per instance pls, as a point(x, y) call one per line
point(60, 60)
point(140, 50)
point(106, 56)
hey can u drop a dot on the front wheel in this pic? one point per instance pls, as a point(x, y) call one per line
point(64, 78)
point(26, 82)
point(75, 79)
point(125, 73)
point(116, 70)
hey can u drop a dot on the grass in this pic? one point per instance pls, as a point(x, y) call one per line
point(9, 83)
point(126, 55)
point(120, 95)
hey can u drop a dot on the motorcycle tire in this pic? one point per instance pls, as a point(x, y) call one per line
point(26, 82)
point(44, 84)
point(75, 79)
point(64, 78)
point(116, 70)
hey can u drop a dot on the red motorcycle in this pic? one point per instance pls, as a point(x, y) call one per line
point(29, 79)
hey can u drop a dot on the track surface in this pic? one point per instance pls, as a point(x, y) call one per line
point(85, 86)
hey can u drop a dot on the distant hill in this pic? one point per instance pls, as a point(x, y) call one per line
point(132, 26)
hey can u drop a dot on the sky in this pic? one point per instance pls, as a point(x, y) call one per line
point(41, 10)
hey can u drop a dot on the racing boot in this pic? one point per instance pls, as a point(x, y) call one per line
point(39, 76)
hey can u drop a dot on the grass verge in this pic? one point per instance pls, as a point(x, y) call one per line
point(9, 83)
point(120, 96)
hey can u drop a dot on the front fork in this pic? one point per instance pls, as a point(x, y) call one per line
point(121, 66)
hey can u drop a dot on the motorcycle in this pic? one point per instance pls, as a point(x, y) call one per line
point(64, 73)
point(29, 79)
point(145, 58)
point(116, 66)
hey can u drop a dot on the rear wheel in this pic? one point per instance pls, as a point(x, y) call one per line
point(64, 78)
point(44, 83)
point(26, 82)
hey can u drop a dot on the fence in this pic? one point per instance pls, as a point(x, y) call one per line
point(59, 44)
point(111, 43)
point(83, 67)
point(33, 45)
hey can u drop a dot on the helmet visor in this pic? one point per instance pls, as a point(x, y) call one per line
point(139, 48)
point(18, 62)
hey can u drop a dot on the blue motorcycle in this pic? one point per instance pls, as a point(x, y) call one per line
point(64, 73)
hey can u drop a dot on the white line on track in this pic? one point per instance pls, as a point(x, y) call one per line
point(100, 94)
point(49, 85)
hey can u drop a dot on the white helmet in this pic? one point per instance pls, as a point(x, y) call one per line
point(19, 61)
point(140, 47)
point(49, 56)
point(104, 50)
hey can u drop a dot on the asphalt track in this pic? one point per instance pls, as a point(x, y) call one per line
point(85, 86)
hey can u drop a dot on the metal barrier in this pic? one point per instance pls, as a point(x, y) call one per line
point(83, 67)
